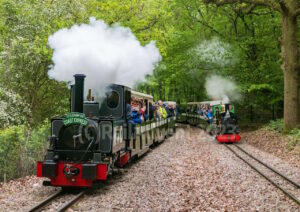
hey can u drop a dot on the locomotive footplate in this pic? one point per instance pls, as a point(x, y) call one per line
point(72, 174)
point(228, 138)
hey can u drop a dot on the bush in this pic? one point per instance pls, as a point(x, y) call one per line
point(20, 148)
point(295, 139)
point(13, 110)
point(276, 125)
point(294, 134)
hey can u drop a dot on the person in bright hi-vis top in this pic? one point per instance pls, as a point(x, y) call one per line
point(162, 111)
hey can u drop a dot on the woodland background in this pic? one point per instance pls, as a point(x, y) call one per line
point(28, 98)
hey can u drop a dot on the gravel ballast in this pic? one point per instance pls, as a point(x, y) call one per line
point(274, 143)
point(189, 171)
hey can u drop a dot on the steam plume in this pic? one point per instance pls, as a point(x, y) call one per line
point(219, 88)
point(106, 54)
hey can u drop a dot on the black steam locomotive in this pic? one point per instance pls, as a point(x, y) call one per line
point(87, 143)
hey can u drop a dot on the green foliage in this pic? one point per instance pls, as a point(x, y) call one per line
point(149, 20)
point(13, 111)
point(294, 139)
point(190, 35)
point(276, 125)
point(20, 148)
point(261, 88)
point(252, 59)
point(26, 57)
point(293, 135)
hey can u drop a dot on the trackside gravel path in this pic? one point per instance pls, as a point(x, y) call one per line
point(188, 172)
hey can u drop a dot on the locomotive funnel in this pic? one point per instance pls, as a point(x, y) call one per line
point(77, 91)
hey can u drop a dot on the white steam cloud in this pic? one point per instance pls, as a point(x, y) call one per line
point(105, 54)
point(219, 88)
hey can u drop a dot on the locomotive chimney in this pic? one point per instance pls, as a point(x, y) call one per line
point(77, 93)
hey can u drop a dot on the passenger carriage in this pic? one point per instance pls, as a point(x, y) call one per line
point(193, 115)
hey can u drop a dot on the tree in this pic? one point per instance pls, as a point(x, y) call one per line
point(289, 10)
point(26, 56)
point(148, 20)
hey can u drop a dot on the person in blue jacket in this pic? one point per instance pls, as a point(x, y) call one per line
point(136, 117)
point(209, 115)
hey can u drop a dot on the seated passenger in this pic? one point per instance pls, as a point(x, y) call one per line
point(209, 115)
point(201, 111)
point(136, 117)
point(171, 111)
point(167, 108)
point(151, 111)
point(162, 111)
point(158, 115)
point(135, 114)
point(142, 109)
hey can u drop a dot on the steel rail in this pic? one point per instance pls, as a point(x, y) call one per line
point(269, 167)
point(291, 196)
point(45, 202)
point(41, 205)
point(72, 201)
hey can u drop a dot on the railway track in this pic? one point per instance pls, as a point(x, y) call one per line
point(54, 197)
point(268, 169)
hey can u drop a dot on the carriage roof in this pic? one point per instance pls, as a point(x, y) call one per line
point(140, 95)
point(170, 103)
point(211, 103)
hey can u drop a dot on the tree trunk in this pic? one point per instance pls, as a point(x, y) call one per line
point(290, 67)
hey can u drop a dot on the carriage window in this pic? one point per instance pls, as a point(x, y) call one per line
point(112, 99)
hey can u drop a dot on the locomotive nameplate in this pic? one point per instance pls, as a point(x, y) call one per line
point(75, 118)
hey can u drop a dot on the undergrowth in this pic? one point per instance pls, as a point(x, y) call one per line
point(294, 134)
point(276, 125)
point(20, 148)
